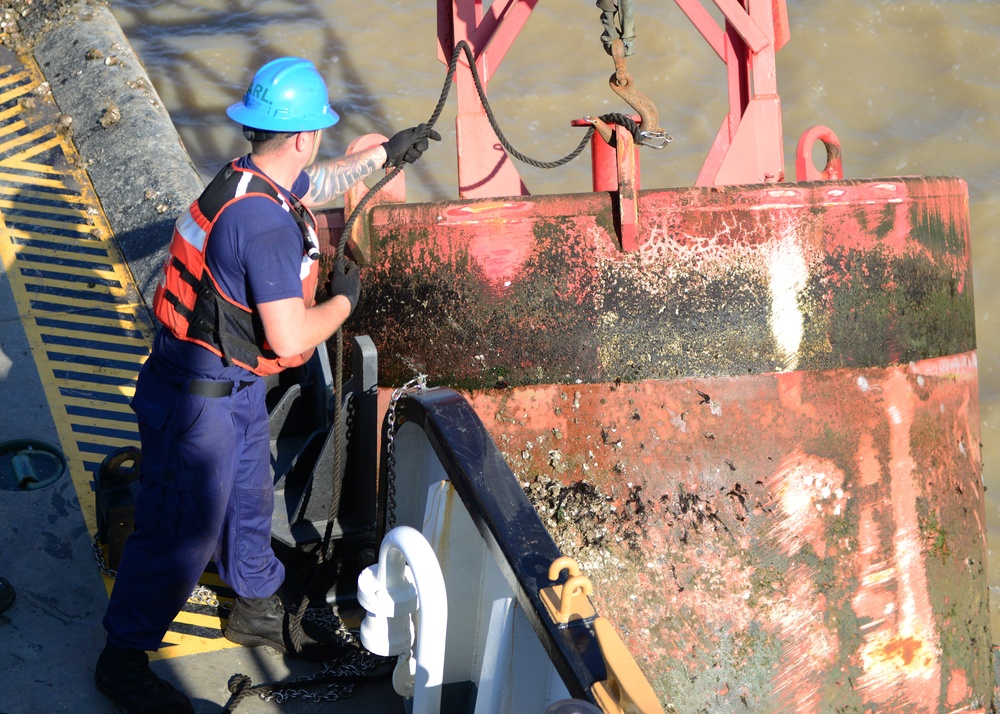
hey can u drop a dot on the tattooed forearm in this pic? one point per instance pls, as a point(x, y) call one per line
point(330, 178)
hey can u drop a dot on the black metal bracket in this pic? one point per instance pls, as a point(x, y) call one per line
point(116, 484)
point(302, 452)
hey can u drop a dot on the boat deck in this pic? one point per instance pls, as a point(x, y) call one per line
point(86, 204)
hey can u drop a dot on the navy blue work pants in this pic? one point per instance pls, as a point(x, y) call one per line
point(206, 491)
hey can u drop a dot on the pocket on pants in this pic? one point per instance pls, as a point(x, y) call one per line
point(180, 507)
point(154, 400)
point(199, 440)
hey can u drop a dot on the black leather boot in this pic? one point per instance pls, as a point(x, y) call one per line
point(124, 677)
point(264, 621)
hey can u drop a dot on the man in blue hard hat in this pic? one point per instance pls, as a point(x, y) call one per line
point(237, 303)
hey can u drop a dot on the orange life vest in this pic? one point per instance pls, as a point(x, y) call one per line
point(190, 303)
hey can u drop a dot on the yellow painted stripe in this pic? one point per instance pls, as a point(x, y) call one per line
point(16, 91)
point(28, 251)
point(54, 222)
point(7, 113)
point(95, 289)
point(8, 76)
point(83, 380)
point(30, 165)
point(41, 258)
point(110, 393)
point(32, 180)
point(9, 127)
point(88, 320)
point(199, 620)
point(181, 645)
point(131, 343)
point(68, 196)
point(80, 239)
point(105, 412)
point(87, 375)
point(30, 143)
point(54, 210)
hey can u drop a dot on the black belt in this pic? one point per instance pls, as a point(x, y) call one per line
point(215, 388)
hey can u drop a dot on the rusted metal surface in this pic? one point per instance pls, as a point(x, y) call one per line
point(805, 169)
point(750, 412)
point(622, 84)
point(725, 281)
point(758, 432)
point(809, 541)
point(604, 159)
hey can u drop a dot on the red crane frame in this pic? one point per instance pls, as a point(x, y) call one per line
point(747, 147)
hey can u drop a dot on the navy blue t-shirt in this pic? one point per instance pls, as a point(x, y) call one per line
point(255, 252)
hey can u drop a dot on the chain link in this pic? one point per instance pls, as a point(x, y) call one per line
point(201, 595)
point(101, 562)
point(355, 664)
point(417, 384)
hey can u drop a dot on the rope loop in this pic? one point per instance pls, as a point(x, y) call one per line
point(623, 120)
point(239, 682)
point(241, 687)
point(460, 47)
point(464, 46)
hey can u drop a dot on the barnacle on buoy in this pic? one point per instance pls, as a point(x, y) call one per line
point(111, 116)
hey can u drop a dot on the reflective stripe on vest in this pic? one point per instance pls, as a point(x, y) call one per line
point(190, 303)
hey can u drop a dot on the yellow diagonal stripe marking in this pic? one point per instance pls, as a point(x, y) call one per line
point(72, 186)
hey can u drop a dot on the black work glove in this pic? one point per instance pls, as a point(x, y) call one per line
point(345, 279)
point(407, 145)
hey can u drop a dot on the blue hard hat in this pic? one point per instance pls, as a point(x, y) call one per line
point(286, 94)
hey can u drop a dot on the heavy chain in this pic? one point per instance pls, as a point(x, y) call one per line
point(205, 596)
point(101, 562)
point(356, 665)
point(201, 595)
point(417, 384)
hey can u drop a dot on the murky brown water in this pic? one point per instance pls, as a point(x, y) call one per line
point(909, 86)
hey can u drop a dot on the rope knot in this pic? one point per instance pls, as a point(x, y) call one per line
point(239, 683)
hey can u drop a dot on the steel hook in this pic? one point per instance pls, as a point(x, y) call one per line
point(622, 84)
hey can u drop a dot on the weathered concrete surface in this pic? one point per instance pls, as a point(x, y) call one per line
point(127, 142)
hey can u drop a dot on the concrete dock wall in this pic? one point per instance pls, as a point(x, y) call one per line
point(128, 144)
